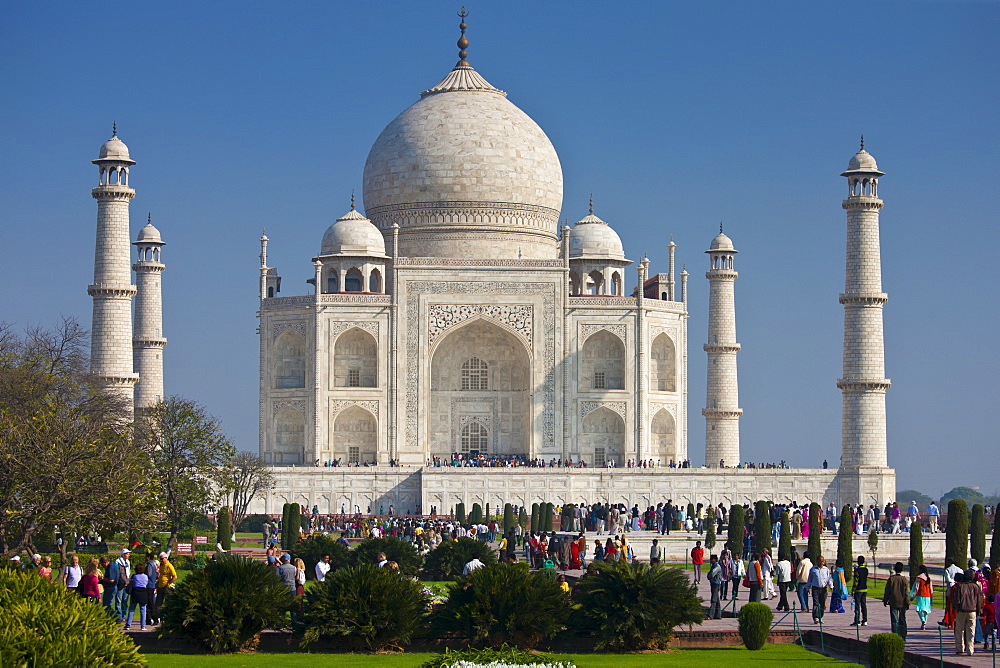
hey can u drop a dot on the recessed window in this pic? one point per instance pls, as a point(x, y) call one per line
point(354, 453)
point(474, 438)
point(475, 375)
point(600, 381)
point(354, 378)
point(600, 456)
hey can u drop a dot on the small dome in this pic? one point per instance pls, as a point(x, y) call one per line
point(722, 243)
point(149, 235)
point(353, 234)
point(592, 239)
point(862, 161)
point(114, 149)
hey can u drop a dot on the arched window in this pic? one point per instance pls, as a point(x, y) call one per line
point(289, 437)
point(595, 284)
point(603, 365)
point(332, 283)
point(475, 438)
point(355, 359)
point(375, 281)
point(289, 361)
point(475, 375)
point(270, 291)
point(616, 284)
point(353, 281)
point(663, 369)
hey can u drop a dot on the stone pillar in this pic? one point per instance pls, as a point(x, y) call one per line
point(722, 412)
point(148, 340)
point(863, 383)
point(112, 289)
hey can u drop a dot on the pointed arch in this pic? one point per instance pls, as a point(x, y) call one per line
point(603, 366)
point(375, 281)
point(663, 437)
point(355, 359)
point(355, 436)
point(663, 366)
point(353, 280)
point(289, 436)
point(475, 438)
point(603, 435)
point(616, 284)
point(289, 360)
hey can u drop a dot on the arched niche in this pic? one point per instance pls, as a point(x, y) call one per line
point(663, 365)
point(289, 360)
point(603, 362)
point(355, 359)
point(663, 437)
point(355, 436)
point(289, 436)
point(603, 437)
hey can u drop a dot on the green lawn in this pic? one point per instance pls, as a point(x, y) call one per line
point(771, 655)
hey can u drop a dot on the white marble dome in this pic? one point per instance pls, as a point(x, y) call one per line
point(862, 161)
point(463, 160)
point(149, 235)
point(722, 243)
point(114, 149)
point(353, 234)
point(593, 239)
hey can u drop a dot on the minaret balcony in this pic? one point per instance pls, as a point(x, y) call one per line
point(111, 290)
point(113, 192)
point(864, 385)
point(148, 342)
point(721, 347)
point(862, 203)
point(118, 379)
point(730, 414)
point(862, 299)
point(722, 274)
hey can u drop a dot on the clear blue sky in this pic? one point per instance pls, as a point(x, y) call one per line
point(675, 115)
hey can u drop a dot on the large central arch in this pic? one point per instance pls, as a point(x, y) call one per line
point(480, 373)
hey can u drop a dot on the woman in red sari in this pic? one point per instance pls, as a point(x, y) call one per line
point(574, 550)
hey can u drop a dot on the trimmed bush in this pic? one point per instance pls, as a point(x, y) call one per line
point(916, 550)
point(311, 550)
point(815, 531)
point(476, 516)
point(45, 625)
point(397, 550)
point(253, 523)
point(710, 530)
point(522, 518)
point(635, 606)
point(504, 603)
point(224, 533)
point(548, 516)
point(449, 558)
point(755, 625)
point(761, 527)
point(977, 533)
point(224, 608)
point(460, 513)
point(956, 543)
point(536, 514)
point(363, 608)
point(508, 517)
point(785, 540)
point(995, 543)
point(845, 543)
point(885, 650)
point(737, 517)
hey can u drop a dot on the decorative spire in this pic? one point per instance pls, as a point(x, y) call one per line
point(720, 227)
point(591, 210)
point(862, 142)
point(149, 218)
point(353, 207)
point(463, 41)
point(114, 128)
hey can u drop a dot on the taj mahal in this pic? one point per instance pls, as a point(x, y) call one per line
point(451, 317)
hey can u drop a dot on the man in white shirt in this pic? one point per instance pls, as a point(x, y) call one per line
point(381, 559)
point(784, 571)
point(802, 581)
point(322, 568)
point(472, 565)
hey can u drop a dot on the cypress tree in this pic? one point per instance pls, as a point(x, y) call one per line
point(785, 540)
point(476, 516)
point(815, 531)
point(977, 536)
point(460, 513)
point(294, 525)
point(548, 517)
point(736, 529)
point(956, 543)
point(508, 517)
point(761, 527)
point(224, 529)
point(995, 543)
point(522, 518)
point(690, 512)
point(286, 512)
point(916, 549)
point(710, 529)
point(845, 543)
point(536, 518)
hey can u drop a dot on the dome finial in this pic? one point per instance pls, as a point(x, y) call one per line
point(591, 210)
point(862, 142)
point(114, 128)
point(149, 218)
point(352, 200)
point(720, 227)
point(463, 41)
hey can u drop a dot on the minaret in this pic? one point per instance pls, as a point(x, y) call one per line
point(148, 340)
point(722, 412)
point(112, 290)
point(863, 383)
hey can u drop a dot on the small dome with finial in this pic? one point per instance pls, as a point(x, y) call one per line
point(721, 242)
point(114, 148)
point(353, 234)
point(862, 161)
point(593, 239)
point(149, 234)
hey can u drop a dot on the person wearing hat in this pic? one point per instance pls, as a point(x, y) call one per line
point(287, 572)
point(122, 577)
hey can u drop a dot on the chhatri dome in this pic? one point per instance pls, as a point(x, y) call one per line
point(465, 173)
point(114, 148)
point(353, 234)
point(862, 162)
point(593, 239)
point(722, 242)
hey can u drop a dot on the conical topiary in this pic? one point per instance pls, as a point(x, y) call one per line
point(977, 533)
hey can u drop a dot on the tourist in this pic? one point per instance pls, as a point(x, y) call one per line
point(35, 563)
point(739, 572)
point(802, 581)
point(45, 569)
point(165, 580)
point(989, 622)
point(921, 591)
point(472, 565)
point(796, 522)
point(581, 542)
point(951, 573)
point(380, 559)
point(896, 515)
point(726, 565)
point(831, 518)
point(300, 578)
point(71, 574)
point(563, 585)
point(598, 550)
point(933, 514)
point(819, 583)
point(152, 575)
point(839, 587)
point(860, 593)
point(287, 573)
point(767, 570)
point(896, 596)
point(715, 579)
point(655, 553)
point(89, 582)
point(912, 514)
point(755, 576)
point(138, 592)
point(784, 573)
point(968, 602)
point(697, 559)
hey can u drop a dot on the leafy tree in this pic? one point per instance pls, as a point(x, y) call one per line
point(815, 531)
point(872, 544)
point(921, 499)
point(995, 543)
point(190, 451)
point(970, 496)
point(845, 543)
point(503, 603)
point(67, 452)
point(956, 543)
point(246, 478)
point(761, 527)
point(225, 607)
point(736, 529)
point(635, 606)
point(224, 533)
point(363, 608)
point(916, 549)
point(785, 540)
point(449, 558)
point(476, 516)
point(977, 533)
